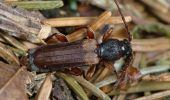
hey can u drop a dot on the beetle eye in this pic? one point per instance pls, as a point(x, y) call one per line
point(125, 41)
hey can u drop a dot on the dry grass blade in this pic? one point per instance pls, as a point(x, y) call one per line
point(45, 89)
point(2, 40)
point(161, 77)
point(106, 81)
point(80, 21)
point(165, 54)
point(151, 48)
point(77, 35)
point(157, 6)
point(12, 82)
point(148, 45)
point(103, 74)
point(8, 55)
point(160, 10)
point(29, 45)
point(162, 16)
point(97, 73)
point(80, 34)
point(96, 91)
point(155, 96)
point(144, 71)
point(11, 40)
point(17, 52)
point(144, 87)
point(165, 3)
point(154, 69)
point(74, 85)
point(100, 21)
point(153, 41)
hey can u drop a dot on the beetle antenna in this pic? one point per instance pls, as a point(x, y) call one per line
point(125, 24)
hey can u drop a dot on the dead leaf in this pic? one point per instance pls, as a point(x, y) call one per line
point(12, 81)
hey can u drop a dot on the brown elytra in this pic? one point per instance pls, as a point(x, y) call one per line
point(63, 55)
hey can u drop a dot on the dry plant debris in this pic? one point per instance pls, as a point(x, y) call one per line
point(13, 82)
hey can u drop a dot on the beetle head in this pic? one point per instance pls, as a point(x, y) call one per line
point(114, 49)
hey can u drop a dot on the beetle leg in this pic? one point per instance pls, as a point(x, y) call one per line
point(108, 29)
point(110, 66)
point(128, 73)
point(74, 71)
point(55, 38)
point(90, 72)
point(92, 68)
point(90, 33)
point(122, 80)
point(133, 73)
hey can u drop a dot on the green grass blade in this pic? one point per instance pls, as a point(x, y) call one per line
point(74, 86)
point(38, 5)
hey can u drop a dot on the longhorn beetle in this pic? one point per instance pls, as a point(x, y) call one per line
point(68, 55)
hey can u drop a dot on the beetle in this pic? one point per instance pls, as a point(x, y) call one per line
point(66, 55)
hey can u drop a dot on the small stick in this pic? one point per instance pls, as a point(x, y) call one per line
point(80, 21)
